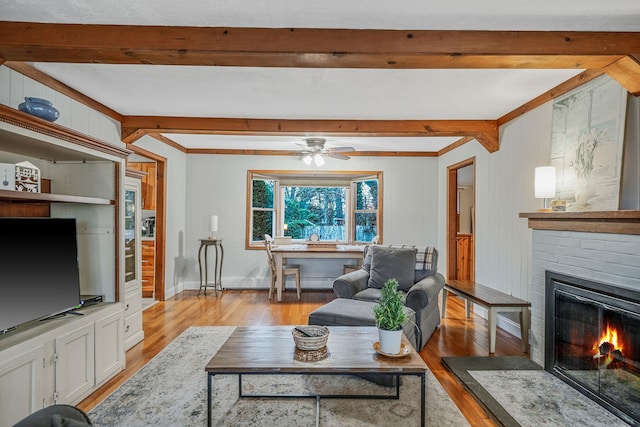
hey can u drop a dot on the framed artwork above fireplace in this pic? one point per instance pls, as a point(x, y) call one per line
point(587, 139)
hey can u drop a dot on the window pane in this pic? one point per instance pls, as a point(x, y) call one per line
point(366, 226)
point(262, 224)
point(262, 196)
point(367, 195)
point(319, 210)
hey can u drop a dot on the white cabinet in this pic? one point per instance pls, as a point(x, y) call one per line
point(133, 263)
point(109, 347)
point(75, 361)
point(59, 360)
point(133, 332)
point(21, 386)
point(64, 360)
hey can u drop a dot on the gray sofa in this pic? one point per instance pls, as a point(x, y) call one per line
point(415, 269)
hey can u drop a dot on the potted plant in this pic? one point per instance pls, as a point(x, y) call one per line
point(390, 317)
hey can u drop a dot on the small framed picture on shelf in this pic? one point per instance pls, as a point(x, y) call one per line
point(27, 177)
point(7, 176)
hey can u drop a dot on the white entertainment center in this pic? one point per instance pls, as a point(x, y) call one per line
point(64, 359)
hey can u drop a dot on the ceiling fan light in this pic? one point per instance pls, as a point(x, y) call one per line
point(307, 159)
point(317, 158)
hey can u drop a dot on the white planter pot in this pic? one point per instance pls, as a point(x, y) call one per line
point(390, 341)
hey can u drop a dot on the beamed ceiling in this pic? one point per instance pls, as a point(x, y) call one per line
point(236, 89)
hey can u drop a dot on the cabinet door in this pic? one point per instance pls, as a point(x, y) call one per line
point(21, 386)
point(75, 364)
point(109, 338)
point(132, 233)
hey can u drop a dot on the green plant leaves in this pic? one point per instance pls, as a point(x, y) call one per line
point(389, 311)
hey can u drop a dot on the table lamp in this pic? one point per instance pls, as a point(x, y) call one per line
point(213, 226)
point(545, 185)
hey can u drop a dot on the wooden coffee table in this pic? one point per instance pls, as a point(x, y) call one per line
point(270, 350)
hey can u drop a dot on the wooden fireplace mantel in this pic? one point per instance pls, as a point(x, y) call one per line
point(618, 222)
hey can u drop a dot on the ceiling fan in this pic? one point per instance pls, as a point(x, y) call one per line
point(315, 151)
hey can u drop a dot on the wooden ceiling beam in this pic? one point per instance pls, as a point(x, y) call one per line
point(133, 127)
point(308, 47)
point(626, 71)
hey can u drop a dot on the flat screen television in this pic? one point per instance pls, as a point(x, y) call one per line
point(39, 274)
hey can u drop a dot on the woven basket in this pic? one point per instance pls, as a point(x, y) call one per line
point(317, 340)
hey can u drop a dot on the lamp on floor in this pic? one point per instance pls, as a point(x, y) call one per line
point(545, 185)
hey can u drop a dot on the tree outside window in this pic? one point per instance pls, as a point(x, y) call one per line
point(318, 210)
point(262, 207)
point(366, 210)
point(337, 206)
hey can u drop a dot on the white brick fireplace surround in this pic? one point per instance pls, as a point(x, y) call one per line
point(608, 258)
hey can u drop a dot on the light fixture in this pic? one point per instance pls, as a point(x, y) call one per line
point(545, 185)
point(318, 159)
point(213, 226)
point(307, 159)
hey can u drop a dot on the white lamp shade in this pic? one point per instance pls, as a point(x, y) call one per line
point(213, 223)
point(545, 182)
point(318, 159)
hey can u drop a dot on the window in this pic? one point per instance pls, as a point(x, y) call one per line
point(342, 206)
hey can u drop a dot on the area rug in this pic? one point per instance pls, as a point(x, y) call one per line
point(518, 392)
point(170, 390)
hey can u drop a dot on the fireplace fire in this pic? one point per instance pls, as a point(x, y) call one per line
point(593, 341)
point(608, 350)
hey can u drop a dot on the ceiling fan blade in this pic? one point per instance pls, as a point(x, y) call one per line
point(341, 149)
point(338, 156)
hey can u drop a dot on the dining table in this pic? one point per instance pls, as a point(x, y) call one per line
point(283, 252)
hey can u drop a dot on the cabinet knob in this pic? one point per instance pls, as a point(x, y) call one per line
point(127, 328)
point(126, 307)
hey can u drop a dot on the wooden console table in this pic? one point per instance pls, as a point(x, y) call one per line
point(494, 301)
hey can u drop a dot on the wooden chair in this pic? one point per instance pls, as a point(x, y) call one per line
point(348, 268)
point(287, 270)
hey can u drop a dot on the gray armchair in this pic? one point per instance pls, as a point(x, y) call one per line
point(416, 272)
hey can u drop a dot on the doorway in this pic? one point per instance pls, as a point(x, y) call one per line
point(155, 168)
point(461, 220)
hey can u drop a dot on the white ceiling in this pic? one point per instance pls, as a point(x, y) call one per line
point(303, 93)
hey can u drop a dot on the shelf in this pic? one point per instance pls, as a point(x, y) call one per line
point(617, 222)
point(23, 197)
point(31, 136)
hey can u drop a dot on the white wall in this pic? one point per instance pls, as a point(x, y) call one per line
point(504, 188)
point(216, 184)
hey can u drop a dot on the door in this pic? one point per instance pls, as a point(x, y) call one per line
point(461, 220)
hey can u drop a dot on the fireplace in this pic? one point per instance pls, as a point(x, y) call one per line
point(592, 341)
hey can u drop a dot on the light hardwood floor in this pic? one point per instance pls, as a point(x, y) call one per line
point(164, 321)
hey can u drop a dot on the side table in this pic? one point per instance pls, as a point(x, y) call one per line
point(217, 276)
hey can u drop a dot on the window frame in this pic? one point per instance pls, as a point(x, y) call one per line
point(310, 179)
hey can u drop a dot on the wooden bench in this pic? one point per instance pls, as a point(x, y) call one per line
point(494, 301)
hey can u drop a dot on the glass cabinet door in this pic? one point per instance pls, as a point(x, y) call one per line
point(132, 230)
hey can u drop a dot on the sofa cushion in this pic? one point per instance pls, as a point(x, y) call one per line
point(392, 263)
point(426, 260)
